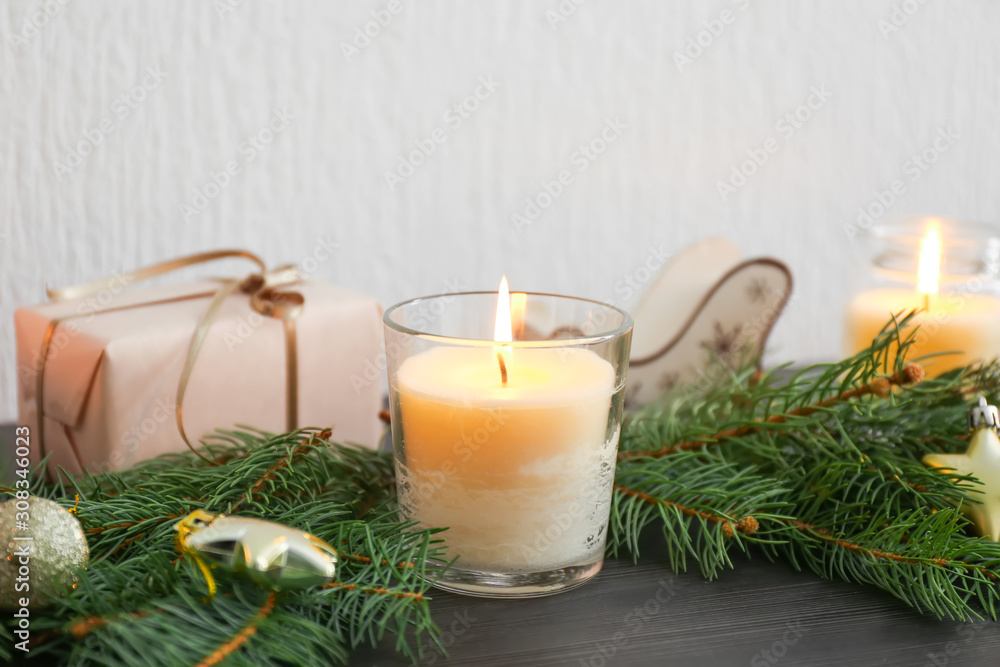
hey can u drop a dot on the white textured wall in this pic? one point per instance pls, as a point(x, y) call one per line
point(322, 178)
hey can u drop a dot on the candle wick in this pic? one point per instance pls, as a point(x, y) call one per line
point(927, 301)
point(503, 368)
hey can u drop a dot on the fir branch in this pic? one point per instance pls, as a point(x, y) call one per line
point(242, 636)
point(376, 591)
point(138, 594)
point(879, 386)
point(252, 494)
point(938, 573)
point(698, 503)
point(843, 451)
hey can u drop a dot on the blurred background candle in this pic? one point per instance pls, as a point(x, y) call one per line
point(510, 444)
point(946, 270)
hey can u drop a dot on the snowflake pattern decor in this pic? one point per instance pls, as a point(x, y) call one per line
point(757, 290)
point(724, 345)
point(727, 331)
point(668, 381)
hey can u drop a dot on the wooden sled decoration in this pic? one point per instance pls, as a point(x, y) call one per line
point(706, 314)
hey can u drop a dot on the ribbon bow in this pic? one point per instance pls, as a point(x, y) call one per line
point(265, 298)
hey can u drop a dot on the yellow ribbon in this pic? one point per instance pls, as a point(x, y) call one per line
point(265, 298)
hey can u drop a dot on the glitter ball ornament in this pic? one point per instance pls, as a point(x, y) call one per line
point(42, 545)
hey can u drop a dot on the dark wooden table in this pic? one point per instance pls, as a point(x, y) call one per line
point(759, 614)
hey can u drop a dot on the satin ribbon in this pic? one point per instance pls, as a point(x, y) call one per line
point(265, 298)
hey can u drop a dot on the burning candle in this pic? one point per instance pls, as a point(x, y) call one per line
point(960, 323)
point(511, 445)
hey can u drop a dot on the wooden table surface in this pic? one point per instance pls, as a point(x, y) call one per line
point(759, 614)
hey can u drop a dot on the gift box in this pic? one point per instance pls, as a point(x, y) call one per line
point(99, 375)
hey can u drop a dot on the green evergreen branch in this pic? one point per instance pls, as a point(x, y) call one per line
point(841, 446)
point(938, 572)
point(682, 492)
point(141, 603)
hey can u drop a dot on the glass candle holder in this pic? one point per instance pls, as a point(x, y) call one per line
point(946, 270)
point(511, 446)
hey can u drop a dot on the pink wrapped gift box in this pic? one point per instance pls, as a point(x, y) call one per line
point(111, 378)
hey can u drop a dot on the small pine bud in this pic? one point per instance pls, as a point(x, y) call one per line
point(880, 387)
point(727, 528)
point(747, 525)
point(913, 374)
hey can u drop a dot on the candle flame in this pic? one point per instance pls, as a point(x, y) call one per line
point(929, 271)
point(502, 331)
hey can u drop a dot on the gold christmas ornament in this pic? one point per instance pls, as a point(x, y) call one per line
point(43, 547)
point(271, 554)
point(982, 460)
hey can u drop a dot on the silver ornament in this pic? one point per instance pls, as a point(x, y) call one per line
point(42, 545)
point(272, 554)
